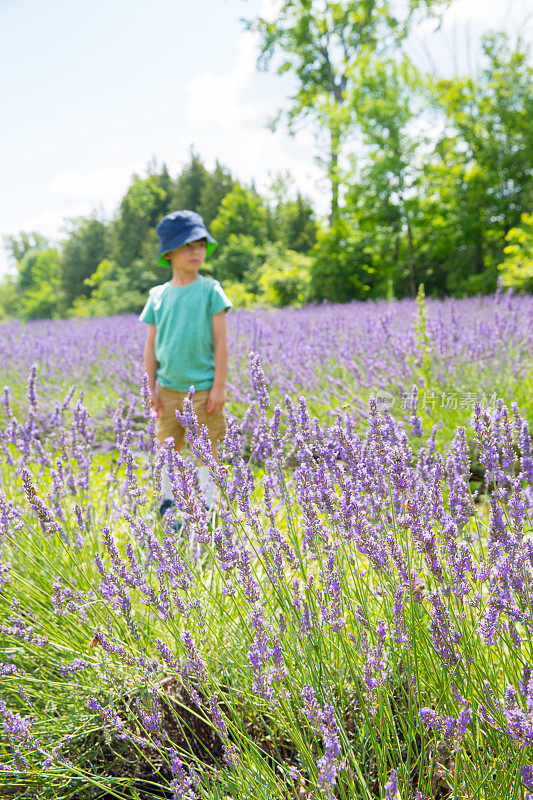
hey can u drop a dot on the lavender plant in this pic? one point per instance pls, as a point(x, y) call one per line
point(476, 349)
point(354, 622)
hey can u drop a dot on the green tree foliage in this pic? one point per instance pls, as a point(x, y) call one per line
point(321, 42)
point(480, 179)
point(292, 222)
point(343, 264)
point(297, 224)
point(384, 194)
point(86, 245)
point(517, 267)
point(200, 190)
point(41, 298)
point(285, 278)
point(216, 186)
point(144, 204)
point(111, 293)
point(239, 261)
point(241, 212)
point(9, 298)
point(18, 246)
point(34, 292)
point(189, 185)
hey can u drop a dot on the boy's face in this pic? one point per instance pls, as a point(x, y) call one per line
point(189, 257)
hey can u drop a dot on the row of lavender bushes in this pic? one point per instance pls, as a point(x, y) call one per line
point(355, 622)
point(456, 351)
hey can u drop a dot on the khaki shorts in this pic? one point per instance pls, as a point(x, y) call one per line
point(167, 423)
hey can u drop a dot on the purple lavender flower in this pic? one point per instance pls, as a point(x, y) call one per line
point(151, 716)
point(183, 784)
point(231, 755)
point(323, 721)
point(75, 666)
point(19, 734)
point(449, 727)
point(56, 755)
point(391, 787)
point(18, 627)
point(400, 633)
point(259, 381)
point(113, 724)
point(527, 776)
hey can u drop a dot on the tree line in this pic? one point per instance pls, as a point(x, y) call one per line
point(430, 182)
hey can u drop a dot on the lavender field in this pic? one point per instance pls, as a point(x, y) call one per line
point(354, 622)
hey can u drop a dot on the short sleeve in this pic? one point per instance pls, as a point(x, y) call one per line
point(219, 301)
point(147, 314)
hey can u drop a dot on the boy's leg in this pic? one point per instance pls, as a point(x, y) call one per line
point(167, 425)
point(216, 429)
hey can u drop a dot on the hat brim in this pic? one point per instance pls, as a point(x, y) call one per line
point(191, 236)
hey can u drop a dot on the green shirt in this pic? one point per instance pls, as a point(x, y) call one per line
point(184, 334)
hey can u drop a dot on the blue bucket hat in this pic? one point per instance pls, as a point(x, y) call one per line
point(179, 228)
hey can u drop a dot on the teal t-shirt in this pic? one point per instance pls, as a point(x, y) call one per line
point(184, 334)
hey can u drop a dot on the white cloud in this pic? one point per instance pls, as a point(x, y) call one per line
point(453, 48)
point(227, 114)
point(221, 100)
point(71, 194)
point(101, 187)
point(498, 15)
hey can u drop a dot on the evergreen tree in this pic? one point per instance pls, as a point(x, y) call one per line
point(216, 186)
point(189, 185)
point(144, 204)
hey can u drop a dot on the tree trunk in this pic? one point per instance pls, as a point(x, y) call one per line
point(334, 173)
point(410, 264)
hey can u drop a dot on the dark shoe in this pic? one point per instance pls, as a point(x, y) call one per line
point(165, 505)
point(163, 508)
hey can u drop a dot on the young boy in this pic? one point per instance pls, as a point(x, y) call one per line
point(186, 342)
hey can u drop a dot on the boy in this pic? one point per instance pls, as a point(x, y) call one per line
point(186, 343)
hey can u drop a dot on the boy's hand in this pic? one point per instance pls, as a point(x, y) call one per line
point(156, 403)
point(215, 399)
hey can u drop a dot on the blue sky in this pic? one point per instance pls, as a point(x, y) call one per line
point(91, 91)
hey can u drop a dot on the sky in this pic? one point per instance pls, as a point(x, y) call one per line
point(92, 90)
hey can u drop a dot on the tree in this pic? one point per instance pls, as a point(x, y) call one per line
point(18, 246)
point(292, 222)
point(144, 204)
point(200, 190)
point(86, 245)
point(285, 278)
point(10, 299)
point(36, 284)
point(482, 165)
point(321, 42)
point(111, 293)
point(42, 296)
point(239, 261)
point(241, 212)
point(343, 265)
point(383, 196)
point(517, 267)
point(189, 184)
point(216, 186)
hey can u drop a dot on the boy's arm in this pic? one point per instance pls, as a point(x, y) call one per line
point(150, 365)
point(217, 394)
